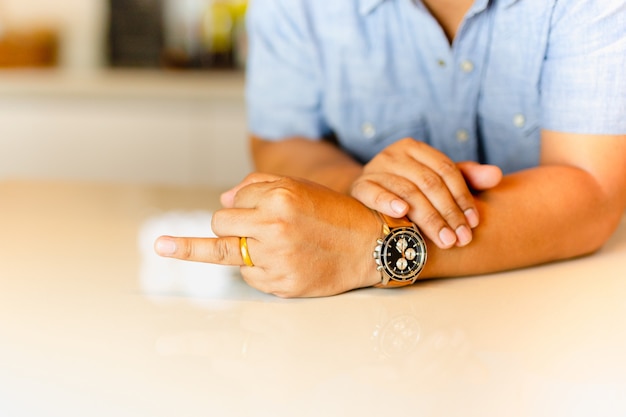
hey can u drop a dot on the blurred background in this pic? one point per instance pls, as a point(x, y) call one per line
point(146, 91)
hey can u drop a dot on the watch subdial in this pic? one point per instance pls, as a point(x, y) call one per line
point(402, 264)
point(410, 254)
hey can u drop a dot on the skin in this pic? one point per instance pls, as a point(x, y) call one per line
point(311, 231)
point(581, 181)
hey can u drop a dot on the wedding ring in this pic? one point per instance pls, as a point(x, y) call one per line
point(245, 254)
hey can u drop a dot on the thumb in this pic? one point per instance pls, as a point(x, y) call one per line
point(480, 177)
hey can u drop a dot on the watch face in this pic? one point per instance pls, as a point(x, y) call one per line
point(403, 254)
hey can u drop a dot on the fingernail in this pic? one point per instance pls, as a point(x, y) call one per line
point(447, 236)
point(165, 246)
point(472, 217)
point(398, 206)
point(464, 235)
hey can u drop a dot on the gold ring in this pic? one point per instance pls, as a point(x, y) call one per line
point(245, 254)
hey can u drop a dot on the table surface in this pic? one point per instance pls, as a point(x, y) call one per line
point(93, 324)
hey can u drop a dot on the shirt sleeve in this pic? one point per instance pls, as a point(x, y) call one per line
point(283, 89)
point(583, 84)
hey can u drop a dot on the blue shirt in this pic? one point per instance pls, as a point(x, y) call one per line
point(371, 72)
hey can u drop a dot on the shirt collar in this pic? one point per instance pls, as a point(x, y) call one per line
point(480, 6)
point(508, 3)
point(367, 6)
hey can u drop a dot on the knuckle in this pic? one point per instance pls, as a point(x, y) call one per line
point(381, 198)
point(248, 279)
point(447, 168)
point(278, 229)
point(404, 142)
point(387, 154)
point(222, 252)
point(429, 181)
point(404, 189)
point(283, 196)
point(411, 144)
point(431, 219)
point(464, 202)
point(254, 282)
point(185, 249)
point(290, 288)
point(362, 187)
point(453, 216)
point(253, 177)
point(282, 287)
point(283, 293)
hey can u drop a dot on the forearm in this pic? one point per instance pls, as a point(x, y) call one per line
point(317, 161)
point(536, 216)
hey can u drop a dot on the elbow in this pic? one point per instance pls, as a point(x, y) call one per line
point(599, 231)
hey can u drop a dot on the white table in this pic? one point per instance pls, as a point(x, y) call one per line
point(92, 324)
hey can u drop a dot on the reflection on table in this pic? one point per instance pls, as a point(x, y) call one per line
point(93, 323)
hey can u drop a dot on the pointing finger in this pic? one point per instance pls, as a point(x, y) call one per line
point(222, 250)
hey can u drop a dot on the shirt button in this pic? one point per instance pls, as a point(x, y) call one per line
point(462, 135)
point(519, 120)
point(467, 66)
point(368, 130)
point(441, 63)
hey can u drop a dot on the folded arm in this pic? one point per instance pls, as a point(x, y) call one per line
point(566, 207)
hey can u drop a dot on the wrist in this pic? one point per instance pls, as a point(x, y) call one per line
point(371, 275)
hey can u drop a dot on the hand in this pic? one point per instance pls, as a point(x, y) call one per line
point(304, 239)
point(412, 178)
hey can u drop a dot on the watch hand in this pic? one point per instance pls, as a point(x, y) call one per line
point(402, 245)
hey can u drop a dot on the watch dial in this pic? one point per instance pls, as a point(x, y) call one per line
point(403, 253)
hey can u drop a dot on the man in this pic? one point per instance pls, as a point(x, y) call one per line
point(497, 127)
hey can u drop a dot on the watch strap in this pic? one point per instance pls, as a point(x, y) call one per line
point(394, 222)
point(393, 284)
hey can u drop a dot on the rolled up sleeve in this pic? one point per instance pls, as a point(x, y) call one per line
point(283, 89)
point(583, 84)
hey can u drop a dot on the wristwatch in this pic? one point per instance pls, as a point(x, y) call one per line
point(400, 253)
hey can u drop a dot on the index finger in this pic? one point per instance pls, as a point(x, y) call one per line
point(220, 250)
